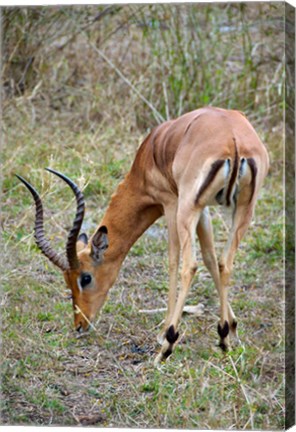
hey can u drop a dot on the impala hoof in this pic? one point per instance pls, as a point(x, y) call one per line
point(224, 347)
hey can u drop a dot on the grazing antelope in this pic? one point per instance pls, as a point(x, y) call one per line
point(210, 156)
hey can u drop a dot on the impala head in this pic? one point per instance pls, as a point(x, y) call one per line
point(82, 264)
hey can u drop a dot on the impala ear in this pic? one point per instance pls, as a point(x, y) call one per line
point(81, 242)
point(99, 244)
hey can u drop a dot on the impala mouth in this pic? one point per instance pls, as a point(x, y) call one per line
point(81, 330)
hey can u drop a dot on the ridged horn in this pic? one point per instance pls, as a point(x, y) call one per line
point(40, 238)
point(73, 235)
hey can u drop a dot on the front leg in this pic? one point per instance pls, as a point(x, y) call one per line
point(186, 223)
point(174, 259)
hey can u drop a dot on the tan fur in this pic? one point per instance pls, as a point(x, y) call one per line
point(168, 171)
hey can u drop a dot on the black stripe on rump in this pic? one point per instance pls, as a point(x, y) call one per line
point(253, 168)
point(233, 175)
point(210, 177)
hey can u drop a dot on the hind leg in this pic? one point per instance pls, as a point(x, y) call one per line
point(241, 221)
point(206, 240)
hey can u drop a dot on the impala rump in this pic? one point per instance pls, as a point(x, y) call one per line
point(227, 194)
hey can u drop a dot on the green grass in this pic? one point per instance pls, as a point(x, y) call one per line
point(89, 126)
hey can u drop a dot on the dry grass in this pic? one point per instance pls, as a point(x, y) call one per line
point(77, 113)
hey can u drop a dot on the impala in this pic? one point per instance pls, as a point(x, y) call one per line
point(209, 156)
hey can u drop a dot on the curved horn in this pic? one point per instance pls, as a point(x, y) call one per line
point(73, 235)
point(41, 241)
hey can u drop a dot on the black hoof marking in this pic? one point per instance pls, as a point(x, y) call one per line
point(223, 346)
point(171, 335)
point(167, 353)
point(234, 325)
point(223, 331)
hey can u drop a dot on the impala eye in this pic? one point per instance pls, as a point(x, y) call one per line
point(85, 280)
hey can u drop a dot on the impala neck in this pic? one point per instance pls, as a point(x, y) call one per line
point(129, 214)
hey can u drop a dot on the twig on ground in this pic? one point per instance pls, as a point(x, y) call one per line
point(194, 310)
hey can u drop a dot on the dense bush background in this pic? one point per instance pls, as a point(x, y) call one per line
point(70, 60)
